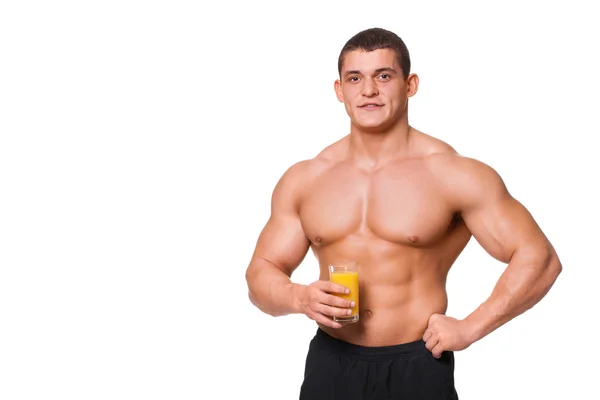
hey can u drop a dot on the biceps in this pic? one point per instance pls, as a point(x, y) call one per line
point(503, 226)
point(283, 243)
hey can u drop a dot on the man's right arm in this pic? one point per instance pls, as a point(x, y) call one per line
point(281, 247)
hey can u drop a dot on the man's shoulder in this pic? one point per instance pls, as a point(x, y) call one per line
point(432, 145)
point(465, 179)
point(448, 164)
point(455, 172)
point(440, 157)
point(324, 159)
point(334, 151)
point(291, 185)
point(301, 172)
point(307, 168)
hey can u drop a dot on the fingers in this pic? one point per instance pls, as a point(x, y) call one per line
point(432, 342)
point(427, 335)
point(333, 306)
point(325, 320)
point(437, 350)
point(333, 311)
point(332, 287)
point(322, 296)
point(323, 303)
point(337, 301)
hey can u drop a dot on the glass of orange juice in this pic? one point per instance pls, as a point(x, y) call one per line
point(346, 274)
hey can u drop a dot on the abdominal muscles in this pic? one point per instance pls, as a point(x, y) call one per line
point(399, 288)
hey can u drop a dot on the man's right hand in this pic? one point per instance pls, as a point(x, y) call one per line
point(319, 302)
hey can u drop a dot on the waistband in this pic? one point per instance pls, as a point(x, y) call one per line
point(324, 341)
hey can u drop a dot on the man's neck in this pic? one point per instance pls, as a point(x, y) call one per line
point(372, 150)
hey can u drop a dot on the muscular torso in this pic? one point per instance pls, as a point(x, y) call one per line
point(395, 223)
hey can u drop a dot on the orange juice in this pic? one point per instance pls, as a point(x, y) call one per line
point(348, 279)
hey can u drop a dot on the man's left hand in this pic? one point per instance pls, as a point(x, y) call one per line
point(445, 334)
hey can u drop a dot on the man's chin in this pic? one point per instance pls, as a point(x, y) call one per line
point(371, 126)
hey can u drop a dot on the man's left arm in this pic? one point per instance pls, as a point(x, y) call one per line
point(509, 233)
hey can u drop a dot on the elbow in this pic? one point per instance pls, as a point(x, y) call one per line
point(553, 267)
point(250, 278)
point(255, 296)
point(253, 300)
point(556, 267)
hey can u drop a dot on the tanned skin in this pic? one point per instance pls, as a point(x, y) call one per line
point(403, 205)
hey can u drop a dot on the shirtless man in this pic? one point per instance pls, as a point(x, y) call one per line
point(403, 205)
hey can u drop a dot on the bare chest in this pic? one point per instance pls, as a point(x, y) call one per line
point(398, 204)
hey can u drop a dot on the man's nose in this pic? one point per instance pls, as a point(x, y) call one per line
point(369, 88)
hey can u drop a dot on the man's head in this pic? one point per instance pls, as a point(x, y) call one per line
point(375, 80)
point(375, 39)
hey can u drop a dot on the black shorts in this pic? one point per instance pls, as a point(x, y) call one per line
point(337, 370)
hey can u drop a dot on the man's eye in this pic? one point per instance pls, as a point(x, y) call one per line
point(353, 79)
point(385, 76)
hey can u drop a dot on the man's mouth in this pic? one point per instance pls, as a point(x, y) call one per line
point(370, 106)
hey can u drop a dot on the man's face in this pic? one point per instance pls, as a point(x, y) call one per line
point(373, 89)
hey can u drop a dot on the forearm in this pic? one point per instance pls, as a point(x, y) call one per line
point(271, 290)
point(526, 280)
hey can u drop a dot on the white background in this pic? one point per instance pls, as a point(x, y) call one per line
point(140, 143)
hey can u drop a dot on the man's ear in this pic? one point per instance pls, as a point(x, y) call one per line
point(338, 90)
point(412, 85)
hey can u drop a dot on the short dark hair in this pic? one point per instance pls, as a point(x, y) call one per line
point(375, 39)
